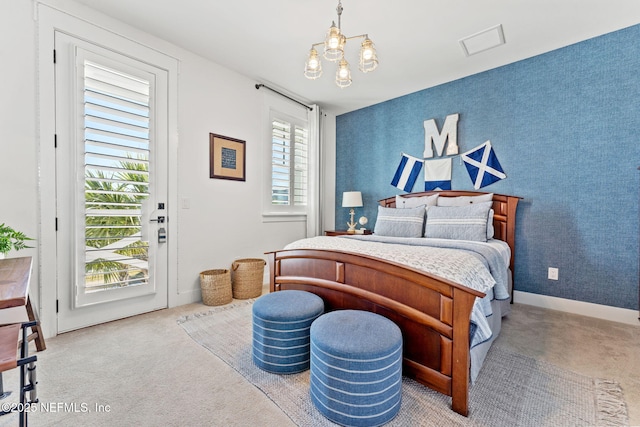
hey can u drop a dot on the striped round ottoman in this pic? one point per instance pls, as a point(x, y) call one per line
point(356, 367)
point(281, 322)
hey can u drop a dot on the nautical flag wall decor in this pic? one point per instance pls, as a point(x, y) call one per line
point(437, 174)
point(483, 165)
point(407, 173)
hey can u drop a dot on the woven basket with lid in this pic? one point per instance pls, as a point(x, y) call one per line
point(248, 274)
point(216, 287)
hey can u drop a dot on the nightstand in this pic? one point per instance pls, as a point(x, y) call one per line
point(344, 232)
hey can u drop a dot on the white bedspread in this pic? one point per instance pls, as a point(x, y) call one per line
point(465, 266)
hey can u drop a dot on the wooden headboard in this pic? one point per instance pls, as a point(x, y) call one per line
point(504, 217)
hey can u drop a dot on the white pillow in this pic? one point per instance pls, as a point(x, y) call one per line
point(463, 200)
point(412, 202)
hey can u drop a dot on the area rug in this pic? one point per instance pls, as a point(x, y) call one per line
point(511, 389)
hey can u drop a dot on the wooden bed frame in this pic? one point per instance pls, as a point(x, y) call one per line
point(432, 312)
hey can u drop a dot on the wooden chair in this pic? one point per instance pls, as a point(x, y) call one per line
point(15, 304)
point(17, 313)
point(14, 353)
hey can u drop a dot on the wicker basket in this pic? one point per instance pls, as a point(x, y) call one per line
point(248, 274)
point(216, 287)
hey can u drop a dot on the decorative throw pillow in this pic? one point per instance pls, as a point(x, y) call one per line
point(459, 222)
point(467, 200)
point(464, 200)
point(412, 202)
point(400, 222)
point(490, 229)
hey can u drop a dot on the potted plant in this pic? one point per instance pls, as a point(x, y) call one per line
point(11, 239)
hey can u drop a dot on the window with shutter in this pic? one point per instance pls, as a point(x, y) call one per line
point(289, 163)
point(116, 182)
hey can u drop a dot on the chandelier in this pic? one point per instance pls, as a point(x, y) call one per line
point(334, 51)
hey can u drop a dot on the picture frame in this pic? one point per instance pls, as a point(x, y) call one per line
point(227, 158)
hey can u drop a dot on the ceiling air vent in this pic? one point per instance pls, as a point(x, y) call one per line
point(484, 40)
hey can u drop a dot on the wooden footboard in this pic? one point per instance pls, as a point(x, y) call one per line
point(433, 313)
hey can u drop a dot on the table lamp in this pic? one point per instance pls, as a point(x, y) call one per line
point(352, 199)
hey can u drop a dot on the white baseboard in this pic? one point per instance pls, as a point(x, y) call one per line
point(186, 297)
point(614, 314)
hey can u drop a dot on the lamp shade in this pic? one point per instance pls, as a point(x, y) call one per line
point(368, 57)
point(313, 66)
point(351, 199)
point(343, 75)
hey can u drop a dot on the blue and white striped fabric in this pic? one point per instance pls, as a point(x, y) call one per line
point(483, 165)
point(437, 174)
point(407, 173)
point(459, 222)
point(356, 367)
point(281, 324)
point(394, 222)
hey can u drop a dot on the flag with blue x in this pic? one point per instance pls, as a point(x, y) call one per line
point(483, 165)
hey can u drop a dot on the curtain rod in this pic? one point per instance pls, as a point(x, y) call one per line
point(259, 85)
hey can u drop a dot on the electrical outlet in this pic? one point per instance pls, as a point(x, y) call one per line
point(553, 273)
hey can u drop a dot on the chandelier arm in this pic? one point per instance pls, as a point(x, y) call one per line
point(361, 36)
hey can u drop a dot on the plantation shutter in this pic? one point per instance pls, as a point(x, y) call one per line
point(289, 163)
point(116, 184)
point(281, 163)
point(301, 167)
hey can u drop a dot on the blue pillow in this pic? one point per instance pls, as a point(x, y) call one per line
point(459, 222)
point(400, 222)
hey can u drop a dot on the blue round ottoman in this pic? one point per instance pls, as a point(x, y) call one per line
point(356, 367)
point(281, 323)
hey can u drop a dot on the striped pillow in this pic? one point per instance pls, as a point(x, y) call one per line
point(459, 222)
point(400, 222)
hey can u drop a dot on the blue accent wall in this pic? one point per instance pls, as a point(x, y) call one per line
point(565, 126)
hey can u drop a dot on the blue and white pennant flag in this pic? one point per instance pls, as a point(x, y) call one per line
point(407, 173)
point(483, 165)
point(437, 174)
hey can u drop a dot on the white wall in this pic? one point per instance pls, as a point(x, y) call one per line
point(18, 136)
point(223, 221)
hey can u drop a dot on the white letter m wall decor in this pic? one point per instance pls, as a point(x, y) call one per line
point(431, 133)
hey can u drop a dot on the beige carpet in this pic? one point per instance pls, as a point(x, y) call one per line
point(512, 389)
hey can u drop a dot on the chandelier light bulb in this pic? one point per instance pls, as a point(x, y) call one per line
point(313, 66)
point(368, 58)
point(343, 75)
point(334, 44)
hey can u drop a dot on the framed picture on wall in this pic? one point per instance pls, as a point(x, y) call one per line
point(227, 158)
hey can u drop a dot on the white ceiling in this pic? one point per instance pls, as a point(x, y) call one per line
point(417, 40)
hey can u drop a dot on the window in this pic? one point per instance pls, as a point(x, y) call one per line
point(116, 152)
point(289, 161)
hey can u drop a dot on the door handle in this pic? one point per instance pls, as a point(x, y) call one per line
point(159, 220)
